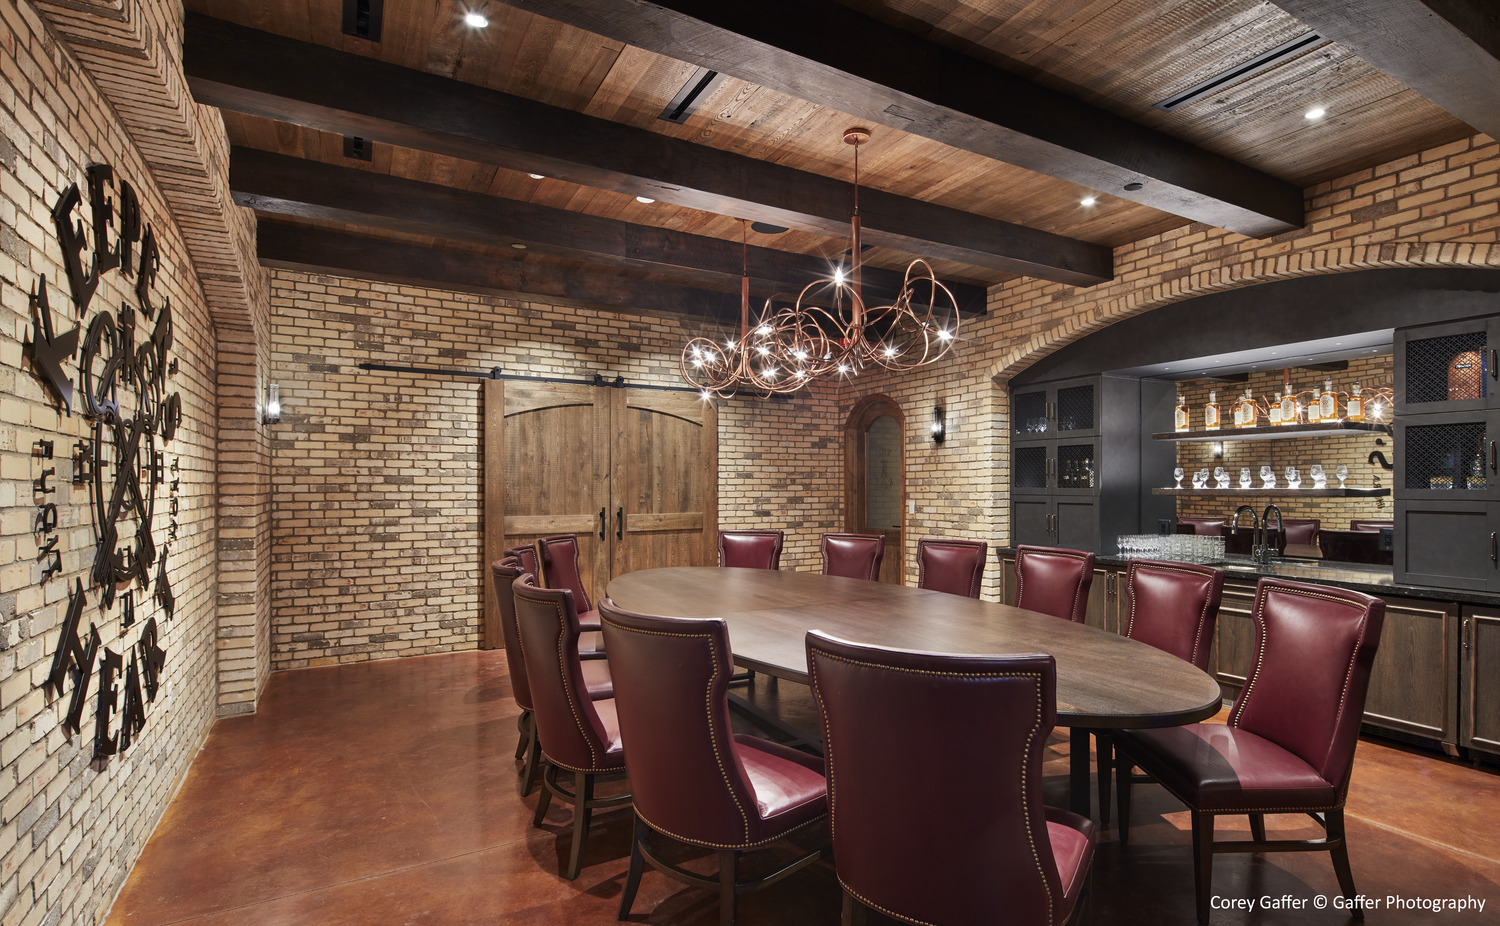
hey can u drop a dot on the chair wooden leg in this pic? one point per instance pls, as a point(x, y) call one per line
point(1333, 823)
point(544, 799)
point(1104, 748)
point(1203, 861)
point(728, 876)
point(583, 788)
point(637, 866)
point(1122, 795)
point(1258, 827)
point(853, 913)
point(526, 778)
point(525, 737)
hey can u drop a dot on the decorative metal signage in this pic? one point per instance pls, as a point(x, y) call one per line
point(121, 390)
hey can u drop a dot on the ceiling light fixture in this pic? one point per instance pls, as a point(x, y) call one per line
point(1088, 201)
point(828, 329)
point(539, 176)
point(1314, 114)
point(646, 200)
point(476, 20)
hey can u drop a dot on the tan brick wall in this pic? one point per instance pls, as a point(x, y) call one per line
point(70, 830)
point(376, 482)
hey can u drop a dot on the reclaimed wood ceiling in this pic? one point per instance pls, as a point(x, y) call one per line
point(1104, 63)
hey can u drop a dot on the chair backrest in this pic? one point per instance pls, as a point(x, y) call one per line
point(1054, 581)
point(1314, 646)
point(1302, 531)
point(953, 566)
point(505, 572)
point(990, 861)
point(1173, 607)
point(567, 723)
point(857, 556)
point(557, 557)
point(671, 680)
point(526, 553)
point(1353, 547)
point(750, 549)
point(1213, 527)
point(1362, 524)
point(1241, 539)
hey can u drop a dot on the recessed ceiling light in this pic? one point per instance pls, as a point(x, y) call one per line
point(1133, 186)
point(1088, 200)
point(476, 20)
point(645, 199)
point(538, 177)
point(519, 246)
point(1317, 112)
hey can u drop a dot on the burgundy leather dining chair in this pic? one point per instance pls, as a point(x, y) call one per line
point(574, 731)
point(750, 549)
point(1173, 607)
point(856, 556)
point(1302, 531)
point(999, 857)
point(1289, 744)
point(1363, 524)
point(1054, 581)
point(595, 672)
point(695, 781)
point(556, 560)
point(953, 566)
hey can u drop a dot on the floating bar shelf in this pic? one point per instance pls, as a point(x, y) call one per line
point(1276, 431)
point(1279, 491)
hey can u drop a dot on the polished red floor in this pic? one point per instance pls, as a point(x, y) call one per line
point(384, 793)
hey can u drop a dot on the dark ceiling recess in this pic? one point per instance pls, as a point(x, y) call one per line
point(766, 228)
point(1240, 71)
point(362, 18)
point(361, 149)
point(686, 102)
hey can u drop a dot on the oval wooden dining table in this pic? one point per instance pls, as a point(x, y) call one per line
point(1103, 680)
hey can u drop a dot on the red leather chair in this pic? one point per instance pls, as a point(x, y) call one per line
point(595, 672)
point(574, 731)
point(856, 556)
point(1173, 607)
point(1302, 531)
point(1054, 581)
point(999, 855)
point(694, 780)
point(526, 553)
point(750, 549)
point(1213, 527)
point(1289, 744)
point(556, 559)
point(953, 566)
point(1360, 524)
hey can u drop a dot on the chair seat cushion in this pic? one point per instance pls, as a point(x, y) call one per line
point(591, 643)
point(596, 677)
point(1222, 769)
point(1072, 838)
point(609, 732)
point(789, 786)
point(588, 621)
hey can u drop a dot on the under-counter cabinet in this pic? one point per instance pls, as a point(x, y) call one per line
point(1481, 683)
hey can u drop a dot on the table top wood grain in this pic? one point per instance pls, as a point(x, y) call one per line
point(1103, 680)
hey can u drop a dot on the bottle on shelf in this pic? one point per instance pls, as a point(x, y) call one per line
point(1180, 419)
point(1246, 413)
point(1315, 407)
point(1211, 412)
point(1273, 414)
point(1356, 409)
point(1329, 409)
point(1288, 404)
point(1088, 472)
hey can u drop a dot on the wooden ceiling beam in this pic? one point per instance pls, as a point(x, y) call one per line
point(281, 185)
point(826, 53)
point(315, 250)
point(244, 70)
point(1446, 50)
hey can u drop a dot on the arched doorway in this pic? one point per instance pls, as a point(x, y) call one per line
point(875, 478)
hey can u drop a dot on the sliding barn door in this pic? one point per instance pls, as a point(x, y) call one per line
point(665, 480)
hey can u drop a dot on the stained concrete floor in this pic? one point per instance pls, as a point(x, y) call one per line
point(384, 793)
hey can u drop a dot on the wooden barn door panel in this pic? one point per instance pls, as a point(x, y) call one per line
point(665, 480)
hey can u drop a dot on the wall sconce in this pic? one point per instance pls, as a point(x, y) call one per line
point(273, 405)
point(1218, 450)
point(939, 425)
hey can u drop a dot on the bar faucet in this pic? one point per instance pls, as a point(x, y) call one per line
point(1265, 527)
point(1256, 537)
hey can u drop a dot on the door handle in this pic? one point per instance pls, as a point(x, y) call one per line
point(603, 522)
point(1493, 460)
point(1494, 363)
point(1494, 548)
point(620, 524)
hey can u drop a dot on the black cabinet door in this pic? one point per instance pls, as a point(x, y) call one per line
point(1450, 367)
point(1032, 523)
point(1076, 523)
point(1448, 543)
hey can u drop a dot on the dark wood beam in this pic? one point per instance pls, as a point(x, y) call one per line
point(254, 72)
point(826, 53)
point(314, 250)
point(1446, 50)
point(277, 184)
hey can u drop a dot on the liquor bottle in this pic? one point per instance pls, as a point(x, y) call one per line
point(1329, 410)
point(1211, 412)
point(1247, 411)
point(1273, 414)
point(1288, 404)
point(1356, 410)
point(1315, 407)
point(1180, 420)
point(1088, 472)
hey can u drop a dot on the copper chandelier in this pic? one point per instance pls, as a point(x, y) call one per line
point(828, 329)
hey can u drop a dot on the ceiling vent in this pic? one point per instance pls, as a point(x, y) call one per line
point(1239, 72)
point(361, 149)
point(362, 18)
point(686, 102)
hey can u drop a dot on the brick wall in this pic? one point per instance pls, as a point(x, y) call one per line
point(377, 476)
point(70, 829)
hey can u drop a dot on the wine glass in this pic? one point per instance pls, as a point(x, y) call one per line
point(1343, 473)
point(1177, 474)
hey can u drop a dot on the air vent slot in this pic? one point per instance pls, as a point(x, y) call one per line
point(1241, 71)
point(686, 102)
point(361, 149)
point(362, 18)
